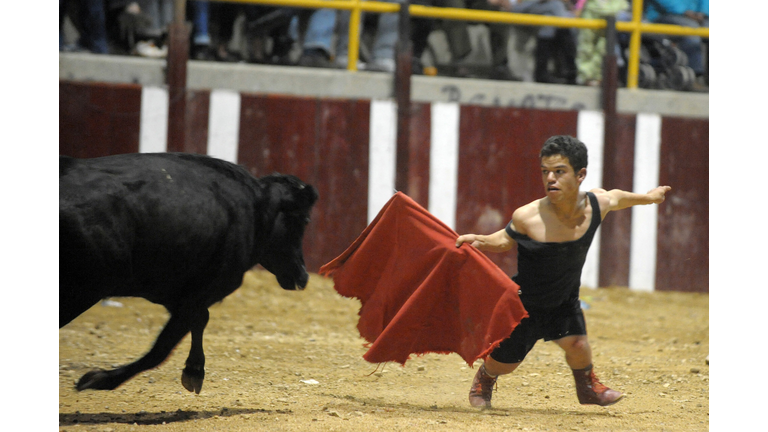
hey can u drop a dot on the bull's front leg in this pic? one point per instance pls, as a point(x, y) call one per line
point(194, 372)
point(175, 329)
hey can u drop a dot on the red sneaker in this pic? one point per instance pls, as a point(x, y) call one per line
point(591, 391)
point(482, 389)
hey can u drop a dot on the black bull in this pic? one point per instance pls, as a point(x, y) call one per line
point(179, 230)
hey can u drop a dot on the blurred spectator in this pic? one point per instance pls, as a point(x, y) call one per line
point(160, 13)
point(688, 13)
point(283, 26)
point(221, 30)
point(265, 24)
point(552, 43)
point(201, 37)
point(499, 37)
point(456, 32)
point(386, 36)
point(212, 24)
point(591, 43)
point(383, 49)
point(141, 26)
point(89, 18)
point(318, 29)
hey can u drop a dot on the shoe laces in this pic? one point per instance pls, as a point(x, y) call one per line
point(597, 386)
point(486, 383)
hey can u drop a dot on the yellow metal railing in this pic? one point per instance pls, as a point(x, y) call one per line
point(635, 27)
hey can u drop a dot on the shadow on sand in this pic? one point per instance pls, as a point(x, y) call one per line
point(149, 418)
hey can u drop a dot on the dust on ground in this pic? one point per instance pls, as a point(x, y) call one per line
point(292, 361)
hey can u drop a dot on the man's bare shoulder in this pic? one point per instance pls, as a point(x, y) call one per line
point(524, 215)
point(603, 199)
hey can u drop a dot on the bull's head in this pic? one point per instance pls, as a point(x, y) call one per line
point(294, 200)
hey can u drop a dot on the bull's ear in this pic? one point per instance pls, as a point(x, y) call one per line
point(293, 194)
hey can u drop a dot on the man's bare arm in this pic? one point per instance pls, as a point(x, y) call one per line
point(619, 199)
point(499, 241)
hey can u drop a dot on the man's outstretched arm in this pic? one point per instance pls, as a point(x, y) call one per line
point(618, 199)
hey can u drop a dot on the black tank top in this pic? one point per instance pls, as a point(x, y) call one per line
point(549, 273)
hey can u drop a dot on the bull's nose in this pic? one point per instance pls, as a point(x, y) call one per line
point(303, 280)
point(294, 283)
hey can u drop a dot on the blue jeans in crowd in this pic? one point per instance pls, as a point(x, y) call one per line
point(383, 50)
point(93, 21)
point(549, 7)
point(200, 35)
point(320, 30)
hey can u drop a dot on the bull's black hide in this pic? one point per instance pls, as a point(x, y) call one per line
point(179, 230)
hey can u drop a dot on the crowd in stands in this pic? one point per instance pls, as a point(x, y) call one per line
point(561, 55)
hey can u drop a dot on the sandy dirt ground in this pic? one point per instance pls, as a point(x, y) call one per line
point(292, 361)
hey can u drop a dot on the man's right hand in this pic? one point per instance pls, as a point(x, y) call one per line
point(467, 238)
point(499, 241)
point(659, 194)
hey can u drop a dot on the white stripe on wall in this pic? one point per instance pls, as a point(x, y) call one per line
point(381, 155)
point(444, 162)
point(590, 130)
point(153, 124)
point(224, 125)
point(642, 258)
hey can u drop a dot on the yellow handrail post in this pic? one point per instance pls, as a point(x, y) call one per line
point(353, 47)
point(634, 44)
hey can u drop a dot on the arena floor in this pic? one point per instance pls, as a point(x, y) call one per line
point(292, 361)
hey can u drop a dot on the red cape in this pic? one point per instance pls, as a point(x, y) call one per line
point(419, 292)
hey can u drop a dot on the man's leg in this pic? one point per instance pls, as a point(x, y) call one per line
point(589, 389)
point(503, 360)
point(497, 368)
point(578, 353)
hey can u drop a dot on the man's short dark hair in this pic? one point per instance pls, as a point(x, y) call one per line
point(566, 146)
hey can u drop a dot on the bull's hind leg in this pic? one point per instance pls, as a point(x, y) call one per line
point(194, 372)
point(175, 329)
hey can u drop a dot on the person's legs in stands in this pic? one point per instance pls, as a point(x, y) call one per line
point(456, 32)
point(548, 41)
point(384, 42)
point(94, 22)
point(342, 40)
point(201, 39)
point(690, 45)
point(316, 47)
point(566, 45)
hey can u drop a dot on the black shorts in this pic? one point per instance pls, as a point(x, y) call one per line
point(548, 324)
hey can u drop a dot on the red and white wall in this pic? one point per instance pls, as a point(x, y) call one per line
point(471, 166)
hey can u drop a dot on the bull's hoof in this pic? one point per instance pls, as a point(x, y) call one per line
point(97, 379)
point(192, 380)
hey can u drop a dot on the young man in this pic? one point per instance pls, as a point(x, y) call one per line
point(553, 235)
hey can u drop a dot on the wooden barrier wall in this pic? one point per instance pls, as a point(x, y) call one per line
point(469, 165)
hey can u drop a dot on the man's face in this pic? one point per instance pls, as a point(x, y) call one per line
point(560, 181)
